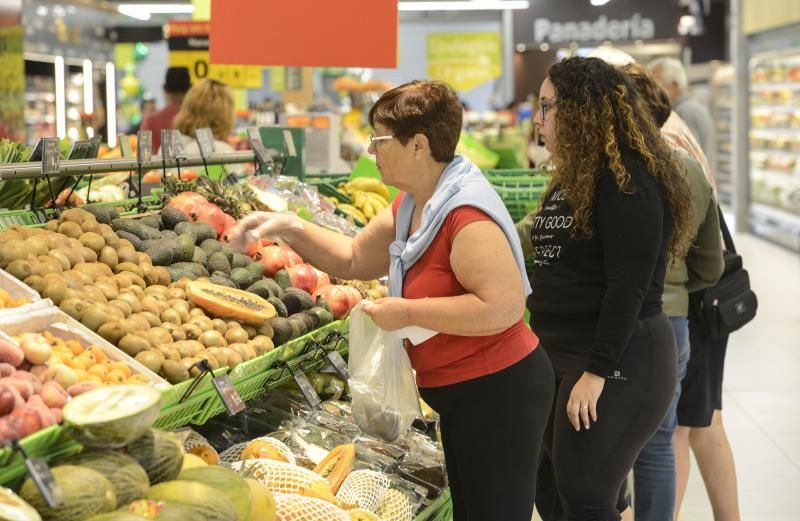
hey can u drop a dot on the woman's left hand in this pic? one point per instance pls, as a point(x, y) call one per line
point(582, 402)
point(388, 313)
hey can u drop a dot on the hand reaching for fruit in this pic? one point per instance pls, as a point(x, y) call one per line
point(263, 225)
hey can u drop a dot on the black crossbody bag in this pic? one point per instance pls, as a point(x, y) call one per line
point(730, 303)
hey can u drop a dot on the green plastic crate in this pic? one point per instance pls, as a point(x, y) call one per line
point(49, 443)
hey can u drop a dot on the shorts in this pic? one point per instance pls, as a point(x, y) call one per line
point(701, 391)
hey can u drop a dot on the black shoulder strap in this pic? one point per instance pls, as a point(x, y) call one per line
point(726, 235)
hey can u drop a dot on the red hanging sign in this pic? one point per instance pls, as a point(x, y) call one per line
point(307, 33)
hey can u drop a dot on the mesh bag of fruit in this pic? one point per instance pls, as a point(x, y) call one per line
point(278, 476)
point(263, 447)
point(299, 508)
point(395, 507)
point(363, 488)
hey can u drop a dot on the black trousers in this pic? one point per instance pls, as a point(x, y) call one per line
point(581, 473)
point(492, 429)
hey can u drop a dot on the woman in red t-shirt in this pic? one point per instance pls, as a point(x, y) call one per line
point(482, 372)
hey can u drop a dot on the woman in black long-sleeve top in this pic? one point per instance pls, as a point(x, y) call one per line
point(618, 206)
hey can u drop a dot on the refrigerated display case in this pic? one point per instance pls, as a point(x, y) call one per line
point(775, 145)
point(722, 111)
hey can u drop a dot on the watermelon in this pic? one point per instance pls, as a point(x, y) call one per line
point(86, 493)
point(197, 497)
point(226, 481)
point(128, 478)
point(113, 416)
point(13, 508)
point(160, 453)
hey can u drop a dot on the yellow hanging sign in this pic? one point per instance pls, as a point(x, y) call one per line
point(464, 60)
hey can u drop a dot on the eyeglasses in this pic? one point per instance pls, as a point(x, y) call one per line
point(544, 108)
point(375, 140)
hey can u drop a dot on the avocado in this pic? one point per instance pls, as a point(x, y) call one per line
point(211, 246)
point(102, 213)
point(296, 302)
point(240, 260)
point(168, 234)
point(283, 279)
point(307, 320)
point(136, 241)
point(161, 254)
point(241, 277)
point(219, 262)
point(220, 278)
point(138, 229)
point(279, 306)
point(282, 330)
point(228, 253)
point(172, 216)
point(198, 269)
point(256, 268)
point(199, 231)
point(306, 300)
point(177, 274)
point(186, 243)
point(153, 221)
point(299, 322)
point(322, 315)
point(199, 256)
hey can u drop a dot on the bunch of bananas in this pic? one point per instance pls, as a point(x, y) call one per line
point(368, 196)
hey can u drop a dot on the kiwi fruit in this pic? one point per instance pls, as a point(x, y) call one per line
point(236, 335)
point(158, 336)
point(109, 257)
point(193, 331)
point(129, 267)
point(126, 254)
point(21, 269)
point(112, 331)
point(174, 371)
point(61, 258)
point(36, 282)
point(70, 229)
point(151, 359)
point(170, 352)
point(176, 331)
point(133, 345)
point(171, 316)
point(219, 325)
point(140, 322)
point(151, 318)
point(212, 338)
point(251, 331)
point(88, 254)
point(262, 344)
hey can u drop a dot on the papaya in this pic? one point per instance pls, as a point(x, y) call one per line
point(230, 303)
point(337, 465)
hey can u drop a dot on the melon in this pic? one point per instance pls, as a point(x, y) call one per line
point(190, 461)
point(113, 416)
point(13, 508)
point(85, 493)
point(159, 453)
point(117, 516)
point(197, 497)
point(234, 304)
point(226, 481)
point(262, 502)
point(151, 509)
point(128, 478)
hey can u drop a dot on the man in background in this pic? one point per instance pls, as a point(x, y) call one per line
point(670, 74)
point(176, 85)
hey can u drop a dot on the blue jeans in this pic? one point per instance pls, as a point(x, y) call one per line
point(654, 470)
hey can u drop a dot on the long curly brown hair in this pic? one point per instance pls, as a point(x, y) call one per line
point(600, 118)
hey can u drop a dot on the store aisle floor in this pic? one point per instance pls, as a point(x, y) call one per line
point(761, 400)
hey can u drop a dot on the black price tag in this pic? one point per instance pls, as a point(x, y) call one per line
point(307, 389)
point(144, 146)
point(80, 150)
point(51, 155)
point(95, 142)
point(36, 153)
point(205, 141)
point(230, 396)
point(338, 363)
point(44, 480)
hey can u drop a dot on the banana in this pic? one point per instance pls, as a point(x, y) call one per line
point(369, 210)
point(353, 211)
point(370, 184)
point(378, 199)
point(358, 199)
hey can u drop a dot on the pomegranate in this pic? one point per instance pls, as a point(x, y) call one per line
point(336, 298)
point(210, 214)
point(303, 276)
point(252, 249)
point(273, 258)
point(229, 223)
point(322, 278)
point(186, 201)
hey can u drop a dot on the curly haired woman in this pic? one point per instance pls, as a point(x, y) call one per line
point(617, 208)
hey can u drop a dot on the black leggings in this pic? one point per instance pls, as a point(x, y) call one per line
point(492, 429)
point(581, 473)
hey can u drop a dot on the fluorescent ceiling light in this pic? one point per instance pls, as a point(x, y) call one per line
point(88, 87)
point(61, 102)
point(474, 5)
point(111, 105)
point(144, 11)
point(598, 3)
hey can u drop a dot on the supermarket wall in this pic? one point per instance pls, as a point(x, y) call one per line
point(412, 59)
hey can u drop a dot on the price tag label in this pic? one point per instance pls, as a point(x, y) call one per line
point(339, 364)
point(230, 396)
point(36, 153)
point(261, 153)
point(51, 155)
point(171, 145)
point(205, 141)
point(144, 146)
point(125, 146)
point(95, 142)
point(307, 389)
point(44, 480)
point(80, 150)
point(288, 141)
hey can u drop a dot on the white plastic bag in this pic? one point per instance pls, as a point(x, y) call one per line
point(385, 400)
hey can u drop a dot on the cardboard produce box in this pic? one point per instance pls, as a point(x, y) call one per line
point(17, 289)
point(61, 325)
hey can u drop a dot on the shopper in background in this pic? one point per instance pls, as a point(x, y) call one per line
point(147, 107)
point(670, 74)
point(208, 104)
point(176, 85)
point(455, 267)
point(654, 471)
point(617, 207)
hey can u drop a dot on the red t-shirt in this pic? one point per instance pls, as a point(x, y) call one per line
point(449, 359)
point(158, 121)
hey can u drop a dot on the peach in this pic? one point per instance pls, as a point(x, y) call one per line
point(11, 353)
point(28, 377)
point(54, 395)
point(75, 390)
point(37, 350)
point(6, 369)
point(61, 374)
point(23, 387)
